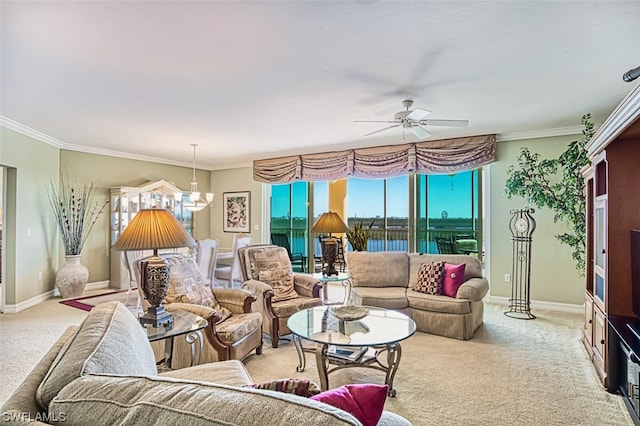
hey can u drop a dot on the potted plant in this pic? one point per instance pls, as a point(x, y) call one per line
point(76, 213)
point(358, 235)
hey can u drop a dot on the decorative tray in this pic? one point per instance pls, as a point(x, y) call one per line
point(349, 312)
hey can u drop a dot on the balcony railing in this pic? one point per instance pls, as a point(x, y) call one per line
point(396, 239)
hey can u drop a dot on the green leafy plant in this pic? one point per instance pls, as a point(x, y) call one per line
point(558, 185)
point(76, 212)
point(358, 235)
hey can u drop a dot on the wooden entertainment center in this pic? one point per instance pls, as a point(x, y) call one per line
point(612, 329)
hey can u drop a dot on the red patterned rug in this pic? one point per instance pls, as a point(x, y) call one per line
point(86, 303)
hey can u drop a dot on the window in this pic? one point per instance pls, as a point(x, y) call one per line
point(446, 207)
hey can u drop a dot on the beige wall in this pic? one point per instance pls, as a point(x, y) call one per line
point(237, 180)
point(554, 277)
point(29, 231)
point(108, 172)
point(34, 164)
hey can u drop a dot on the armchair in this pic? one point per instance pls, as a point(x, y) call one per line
point(233, 331)
point(267, 273)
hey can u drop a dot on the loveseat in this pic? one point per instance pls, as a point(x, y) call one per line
point(388, 279)
point(103, 372)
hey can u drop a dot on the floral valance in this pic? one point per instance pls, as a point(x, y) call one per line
point(429, 157)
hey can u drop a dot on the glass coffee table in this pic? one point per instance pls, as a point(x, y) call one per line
point(184, 324)
point(351, 343)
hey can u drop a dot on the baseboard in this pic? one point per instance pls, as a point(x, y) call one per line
point(14, 309)
point(541, 304)
point(29, 303)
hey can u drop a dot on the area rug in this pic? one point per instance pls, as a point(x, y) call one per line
point(87, 303)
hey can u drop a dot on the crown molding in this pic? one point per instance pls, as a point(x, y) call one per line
point(535, 134)
point(44, 138)
point(622, 117)
point(28, 131)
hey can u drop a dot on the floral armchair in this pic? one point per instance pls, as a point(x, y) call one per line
point(233, 331)
point(280, 292)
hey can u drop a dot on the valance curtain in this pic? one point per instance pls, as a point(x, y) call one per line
point(430, 157)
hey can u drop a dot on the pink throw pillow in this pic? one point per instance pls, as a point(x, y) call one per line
point(453, 279)
point(364, 402)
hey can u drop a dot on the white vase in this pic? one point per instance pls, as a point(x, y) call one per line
point(72, 278)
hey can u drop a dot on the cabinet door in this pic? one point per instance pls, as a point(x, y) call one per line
point(599, 341)
point(599, 241)
point(588, 321)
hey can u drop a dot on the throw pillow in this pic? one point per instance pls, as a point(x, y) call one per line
point(109, 340)
point(186, 285)
point(301, 387)
point(430, 278)
point(281, 280)
point(365, 402)
point(453, 279)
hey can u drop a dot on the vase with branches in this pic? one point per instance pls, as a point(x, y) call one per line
point(76, 212)
point(558, 185)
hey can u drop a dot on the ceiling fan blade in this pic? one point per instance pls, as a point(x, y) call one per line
point(420, 131)
point(382, 130)
point(450, 123)
point(374, 121)
point(418, 114)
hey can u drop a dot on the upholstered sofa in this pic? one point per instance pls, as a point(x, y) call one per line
point(103, 372)
point(387, 280)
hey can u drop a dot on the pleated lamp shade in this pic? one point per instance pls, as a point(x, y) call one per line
point(329, 222)
point(153, 229)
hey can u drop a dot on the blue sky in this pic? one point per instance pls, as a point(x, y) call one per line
point(450, 193)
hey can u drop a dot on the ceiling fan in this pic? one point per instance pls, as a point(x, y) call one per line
point(414, 120)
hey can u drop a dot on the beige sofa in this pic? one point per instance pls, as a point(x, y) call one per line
point(386, 279)
point(103, 372)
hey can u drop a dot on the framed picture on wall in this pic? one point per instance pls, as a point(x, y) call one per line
point(237, 211)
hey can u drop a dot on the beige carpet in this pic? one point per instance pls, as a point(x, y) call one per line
point(513, 372)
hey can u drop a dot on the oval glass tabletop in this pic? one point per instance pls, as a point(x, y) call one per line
point(380, 327)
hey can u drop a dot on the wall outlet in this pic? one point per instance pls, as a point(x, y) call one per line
point(256, 227)
point(507, 278)
point(40, 275)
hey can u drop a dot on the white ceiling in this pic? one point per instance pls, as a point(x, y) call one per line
point(250, 80)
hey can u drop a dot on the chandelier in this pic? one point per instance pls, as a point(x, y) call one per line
point(195, 203)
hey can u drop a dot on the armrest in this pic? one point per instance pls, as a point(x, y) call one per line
point(205, 312)
point(473, 289)
point(306, 285)
point(234, 299)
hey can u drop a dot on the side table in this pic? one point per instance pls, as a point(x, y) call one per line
point(342, 278)
point(184, 324)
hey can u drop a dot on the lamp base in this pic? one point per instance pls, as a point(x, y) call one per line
point(329, 254)
point(156, 316)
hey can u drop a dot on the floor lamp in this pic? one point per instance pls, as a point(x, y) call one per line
point(329, 223)
point(154, 229)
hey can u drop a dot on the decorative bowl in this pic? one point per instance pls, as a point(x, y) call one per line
point(349, 312)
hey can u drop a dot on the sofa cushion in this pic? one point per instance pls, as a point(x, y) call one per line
point(389, 297)
point(452, 279)
point(430, 278)
point(286, 308)
point(186, 285)
point(98, 347)
point(378, 269)
point(437, 303)
point(111, 399)
point(236, 327)
point(365, 402)
point(231, 372)
point(281, 281)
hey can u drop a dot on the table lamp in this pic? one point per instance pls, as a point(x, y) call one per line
point(329, 223)
point(154, 229)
